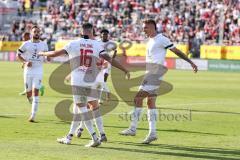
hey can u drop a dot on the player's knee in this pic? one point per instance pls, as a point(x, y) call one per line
point(138, 101)
point(29, 93)
point(94, 105)
point(151, 102)
point(35, 92)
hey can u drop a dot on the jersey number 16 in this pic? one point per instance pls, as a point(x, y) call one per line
point(85, 57)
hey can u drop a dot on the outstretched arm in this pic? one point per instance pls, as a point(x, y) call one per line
point(183, 56)
point(116, 64)
point(53, 53)
point(114, 54)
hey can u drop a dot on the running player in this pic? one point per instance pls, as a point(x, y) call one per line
point(33, 69)
point(25, 37)
point(155, 58)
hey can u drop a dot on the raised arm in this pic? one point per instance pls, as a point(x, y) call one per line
point(183, 56)
point(53, 53)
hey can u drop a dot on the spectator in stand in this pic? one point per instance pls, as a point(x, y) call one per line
point(180, 20)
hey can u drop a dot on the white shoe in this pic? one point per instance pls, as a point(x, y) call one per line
point(93, 143)
point(128, 132)
point(31, 119)
point(150, 138)
point(65, 140)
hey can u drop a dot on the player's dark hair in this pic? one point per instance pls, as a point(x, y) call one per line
point(87, 26)
point(104, 31)
point(35, 27)
point(25, 33)
point(150, 21)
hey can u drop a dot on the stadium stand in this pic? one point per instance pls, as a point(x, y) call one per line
point(191, 22)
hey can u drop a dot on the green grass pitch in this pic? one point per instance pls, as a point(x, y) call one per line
point(213, 132)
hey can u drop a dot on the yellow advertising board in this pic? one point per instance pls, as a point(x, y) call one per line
point(9, 46)
point(211, 52)
point(60, 44)
point(136, 50)
point(183, 48)
point(231, 52)
point(207, 52)
point(140, 50)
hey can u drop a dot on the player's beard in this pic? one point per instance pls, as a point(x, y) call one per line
point(105, 40)
point(36, 37)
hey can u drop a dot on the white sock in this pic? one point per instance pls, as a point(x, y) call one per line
point(88, 123)
point(152, 119)
point(135, 117)
point(98, 120)
point(81, 125)
point(105, 87)
point(34, 106)
point(75, 122)
point(74, 126)
point(100, 95)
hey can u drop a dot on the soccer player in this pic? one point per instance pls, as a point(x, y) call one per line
point(33, 69)
point(93, 105)
point(25, 37)
point(155, 55)
point(84, 54)
point(102, 79)
point(107, 70)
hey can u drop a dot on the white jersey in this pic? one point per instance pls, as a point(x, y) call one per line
point(100, 76)
point(109, 66)
point(157, 48)
point(29, 51)
point(84, 60)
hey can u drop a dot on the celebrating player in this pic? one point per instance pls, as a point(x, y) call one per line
point(106, 71)
point(155, 56)
point(33, 69)
point(93, 105)
point(84, 55)
point(25, 37)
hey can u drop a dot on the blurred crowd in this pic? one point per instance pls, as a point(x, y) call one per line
point(184, 21)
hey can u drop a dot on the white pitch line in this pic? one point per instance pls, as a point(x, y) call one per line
point(11, 114)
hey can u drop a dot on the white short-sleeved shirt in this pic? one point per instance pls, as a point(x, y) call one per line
point(29, 51)
point(84, 56)
point(157, 48)
point(111, 43)
point(100, 77)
